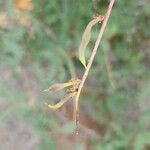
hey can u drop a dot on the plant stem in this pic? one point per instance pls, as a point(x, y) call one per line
point(102, 29)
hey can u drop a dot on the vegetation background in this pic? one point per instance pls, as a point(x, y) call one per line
point(39, 42)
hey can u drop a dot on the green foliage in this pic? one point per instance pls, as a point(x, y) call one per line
point(11, 48)
point(49, 49)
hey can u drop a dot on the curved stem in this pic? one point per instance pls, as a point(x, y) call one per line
point(108, 12)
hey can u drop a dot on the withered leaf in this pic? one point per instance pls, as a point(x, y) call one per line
point(62, 101)
point(86, 38)
point(58, 86)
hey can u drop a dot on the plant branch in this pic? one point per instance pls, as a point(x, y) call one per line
point(107, 14)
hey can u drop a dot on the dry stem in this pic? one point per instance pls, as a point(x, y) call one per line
point(76, 112)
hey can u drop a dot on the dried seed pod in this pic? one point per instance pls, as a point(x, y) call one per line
point(86, 38)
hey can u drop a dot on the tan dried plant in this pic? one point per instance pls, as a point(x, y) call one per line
point(75, 85)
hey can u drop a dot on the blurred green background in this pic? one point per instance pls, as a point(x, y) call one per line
point(39, 43)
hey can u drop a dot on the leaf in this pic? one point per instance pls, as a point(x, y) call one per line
point(58, 86)
point(86, 38)
point(61, 102)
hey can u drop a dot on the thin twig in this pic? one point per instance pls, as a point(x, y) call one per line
point(76, 115)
